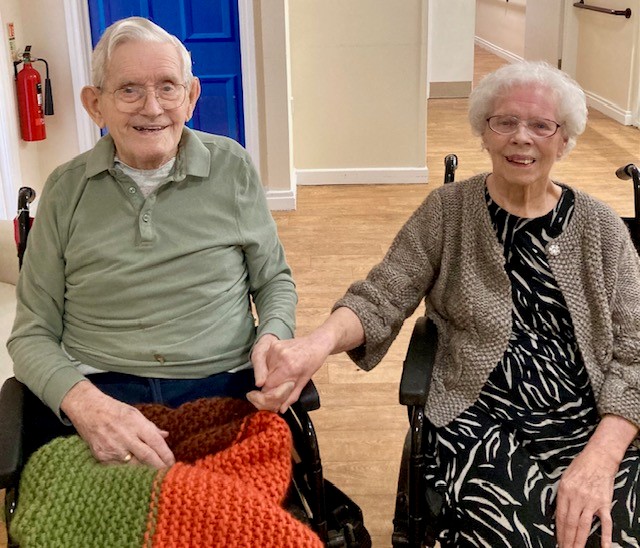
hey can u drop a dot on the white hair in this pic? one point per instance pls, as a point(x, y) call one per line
point(571, 104)
point(134, 29)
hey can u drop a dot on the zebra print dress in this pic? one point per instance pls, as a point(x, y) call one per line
point(501, 460)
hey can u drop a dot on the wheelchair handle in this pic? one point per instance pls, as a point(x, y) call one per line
point(630, 171)
point(450, 165)
point(26, 195)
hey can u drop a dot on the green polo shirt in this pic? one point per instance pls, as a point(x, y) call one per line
point(156, 287)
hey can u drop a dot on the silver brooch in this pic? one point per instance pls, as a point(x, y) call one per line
point(554, 250)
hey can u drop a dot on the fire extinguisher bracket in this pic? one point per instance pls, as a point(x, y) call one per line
point(32, 105)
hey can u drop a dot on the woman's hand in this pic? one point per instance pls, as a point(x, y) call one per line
point(587, 485)
point(115, 431)
point(585, 491)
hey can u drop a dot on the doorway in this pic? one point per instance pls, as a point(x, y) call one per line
point(80, 45)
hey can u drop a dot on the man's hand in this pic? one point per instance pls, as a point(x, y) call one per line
point(261, 400)
point(115, 430)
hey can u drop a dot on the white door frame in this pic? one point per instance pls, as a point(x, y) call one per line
point(79, 41)
point(10, 170)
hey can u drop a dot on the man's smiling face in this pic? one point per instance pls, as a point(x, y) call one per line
point(149, 137)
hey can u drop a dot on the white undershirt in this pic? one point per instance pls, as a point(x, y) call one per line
point(147, 179)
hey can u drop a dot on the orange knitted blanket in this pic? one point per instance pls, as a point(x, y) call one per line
point(232, 471)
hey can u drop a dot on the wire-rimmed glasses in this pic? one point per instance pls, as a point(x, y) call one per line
point(131, 98)
point(508, 125)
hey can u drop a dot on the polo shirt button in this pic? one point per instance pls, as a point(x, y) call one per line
point(132, 190)
point(554, 250)
point(145, 217)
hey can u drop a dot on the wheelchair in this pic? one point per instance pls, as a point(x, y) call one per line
point(417, 520)
point(335, 518)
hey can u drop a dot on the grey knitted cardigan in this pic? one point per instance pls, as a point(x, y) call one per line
point(448, 254)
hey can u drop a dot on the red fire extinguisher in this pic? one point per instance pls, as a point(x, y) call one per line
point(31, 104)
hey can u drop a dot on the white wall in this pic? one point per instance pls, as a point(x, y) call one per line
point(500, 27)
point(44, 28)
point(450, 48)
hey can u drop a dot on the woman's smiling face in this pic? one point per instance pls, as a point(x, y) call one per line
point(521, 158)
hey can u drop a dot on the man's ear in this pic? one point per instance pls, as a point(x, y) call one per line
point(90, 97)
point(194, 95)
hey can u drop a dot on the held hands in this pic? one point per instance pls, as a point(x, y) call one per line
point(282, 369)
point(115, 431)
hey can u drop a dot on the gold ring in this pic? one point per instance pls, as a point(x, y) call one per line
point(127, 457)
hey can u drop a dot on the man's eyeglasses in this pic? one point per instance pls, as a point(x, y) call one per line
point(131, 98)
point(508, 125)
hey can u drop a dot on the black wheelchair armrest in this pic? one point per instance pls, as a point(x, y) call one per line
point(11, 411)
point(418, 364)
point(309, 398)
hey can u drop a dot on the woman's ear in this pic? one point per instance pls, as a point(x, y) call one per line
point(562, 147)
point(90, 97)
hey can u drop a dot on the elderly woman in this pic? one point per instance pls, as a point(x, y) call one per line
point(535, 289)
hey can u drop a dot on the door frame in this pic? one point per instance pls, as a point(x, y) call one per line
point(79, 42)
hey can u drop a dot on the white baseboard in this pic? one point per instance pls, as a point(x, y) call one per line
point(281, 200)
point(624, 117)
point(362, 176)
point(496, 50)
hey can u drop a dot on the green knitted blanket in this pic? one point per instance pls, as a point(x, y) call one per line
point(233, 467)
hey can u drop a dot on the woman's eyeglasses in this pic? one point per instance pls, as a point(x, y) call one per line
point(508, 125)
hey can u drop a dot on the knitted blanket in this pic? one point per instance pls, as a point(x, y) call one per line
point(232, 471)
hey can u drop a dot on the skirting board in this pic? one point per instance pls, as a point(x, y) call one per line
point(281, 200)
point(496, 50)
point(624, 117)
point(440, 90)
point(364, 176)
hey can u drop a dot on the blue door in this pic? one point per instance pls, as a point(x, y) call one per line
point(210, 31)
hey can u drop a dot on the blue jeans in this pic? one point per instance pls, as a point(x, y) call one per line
point(41, 425)
point(173, 392)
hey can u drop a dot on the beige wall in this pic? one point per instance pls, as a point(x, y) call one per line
point(359, 83)
point(501, 26)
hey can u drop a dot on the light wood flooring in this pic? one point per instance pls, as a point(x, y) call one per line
point(339, 232)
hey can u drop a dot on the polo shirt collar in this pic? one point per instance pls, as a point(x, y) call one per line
point(193, 157)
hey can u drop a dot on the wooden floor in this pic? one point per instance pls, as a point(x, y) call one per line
point(339, 232)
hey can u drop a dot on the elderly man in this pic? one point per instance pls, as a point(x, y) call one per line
point(145, 258)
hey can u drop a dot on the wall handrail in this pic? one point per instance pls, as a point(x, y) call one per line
point(582, 5)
